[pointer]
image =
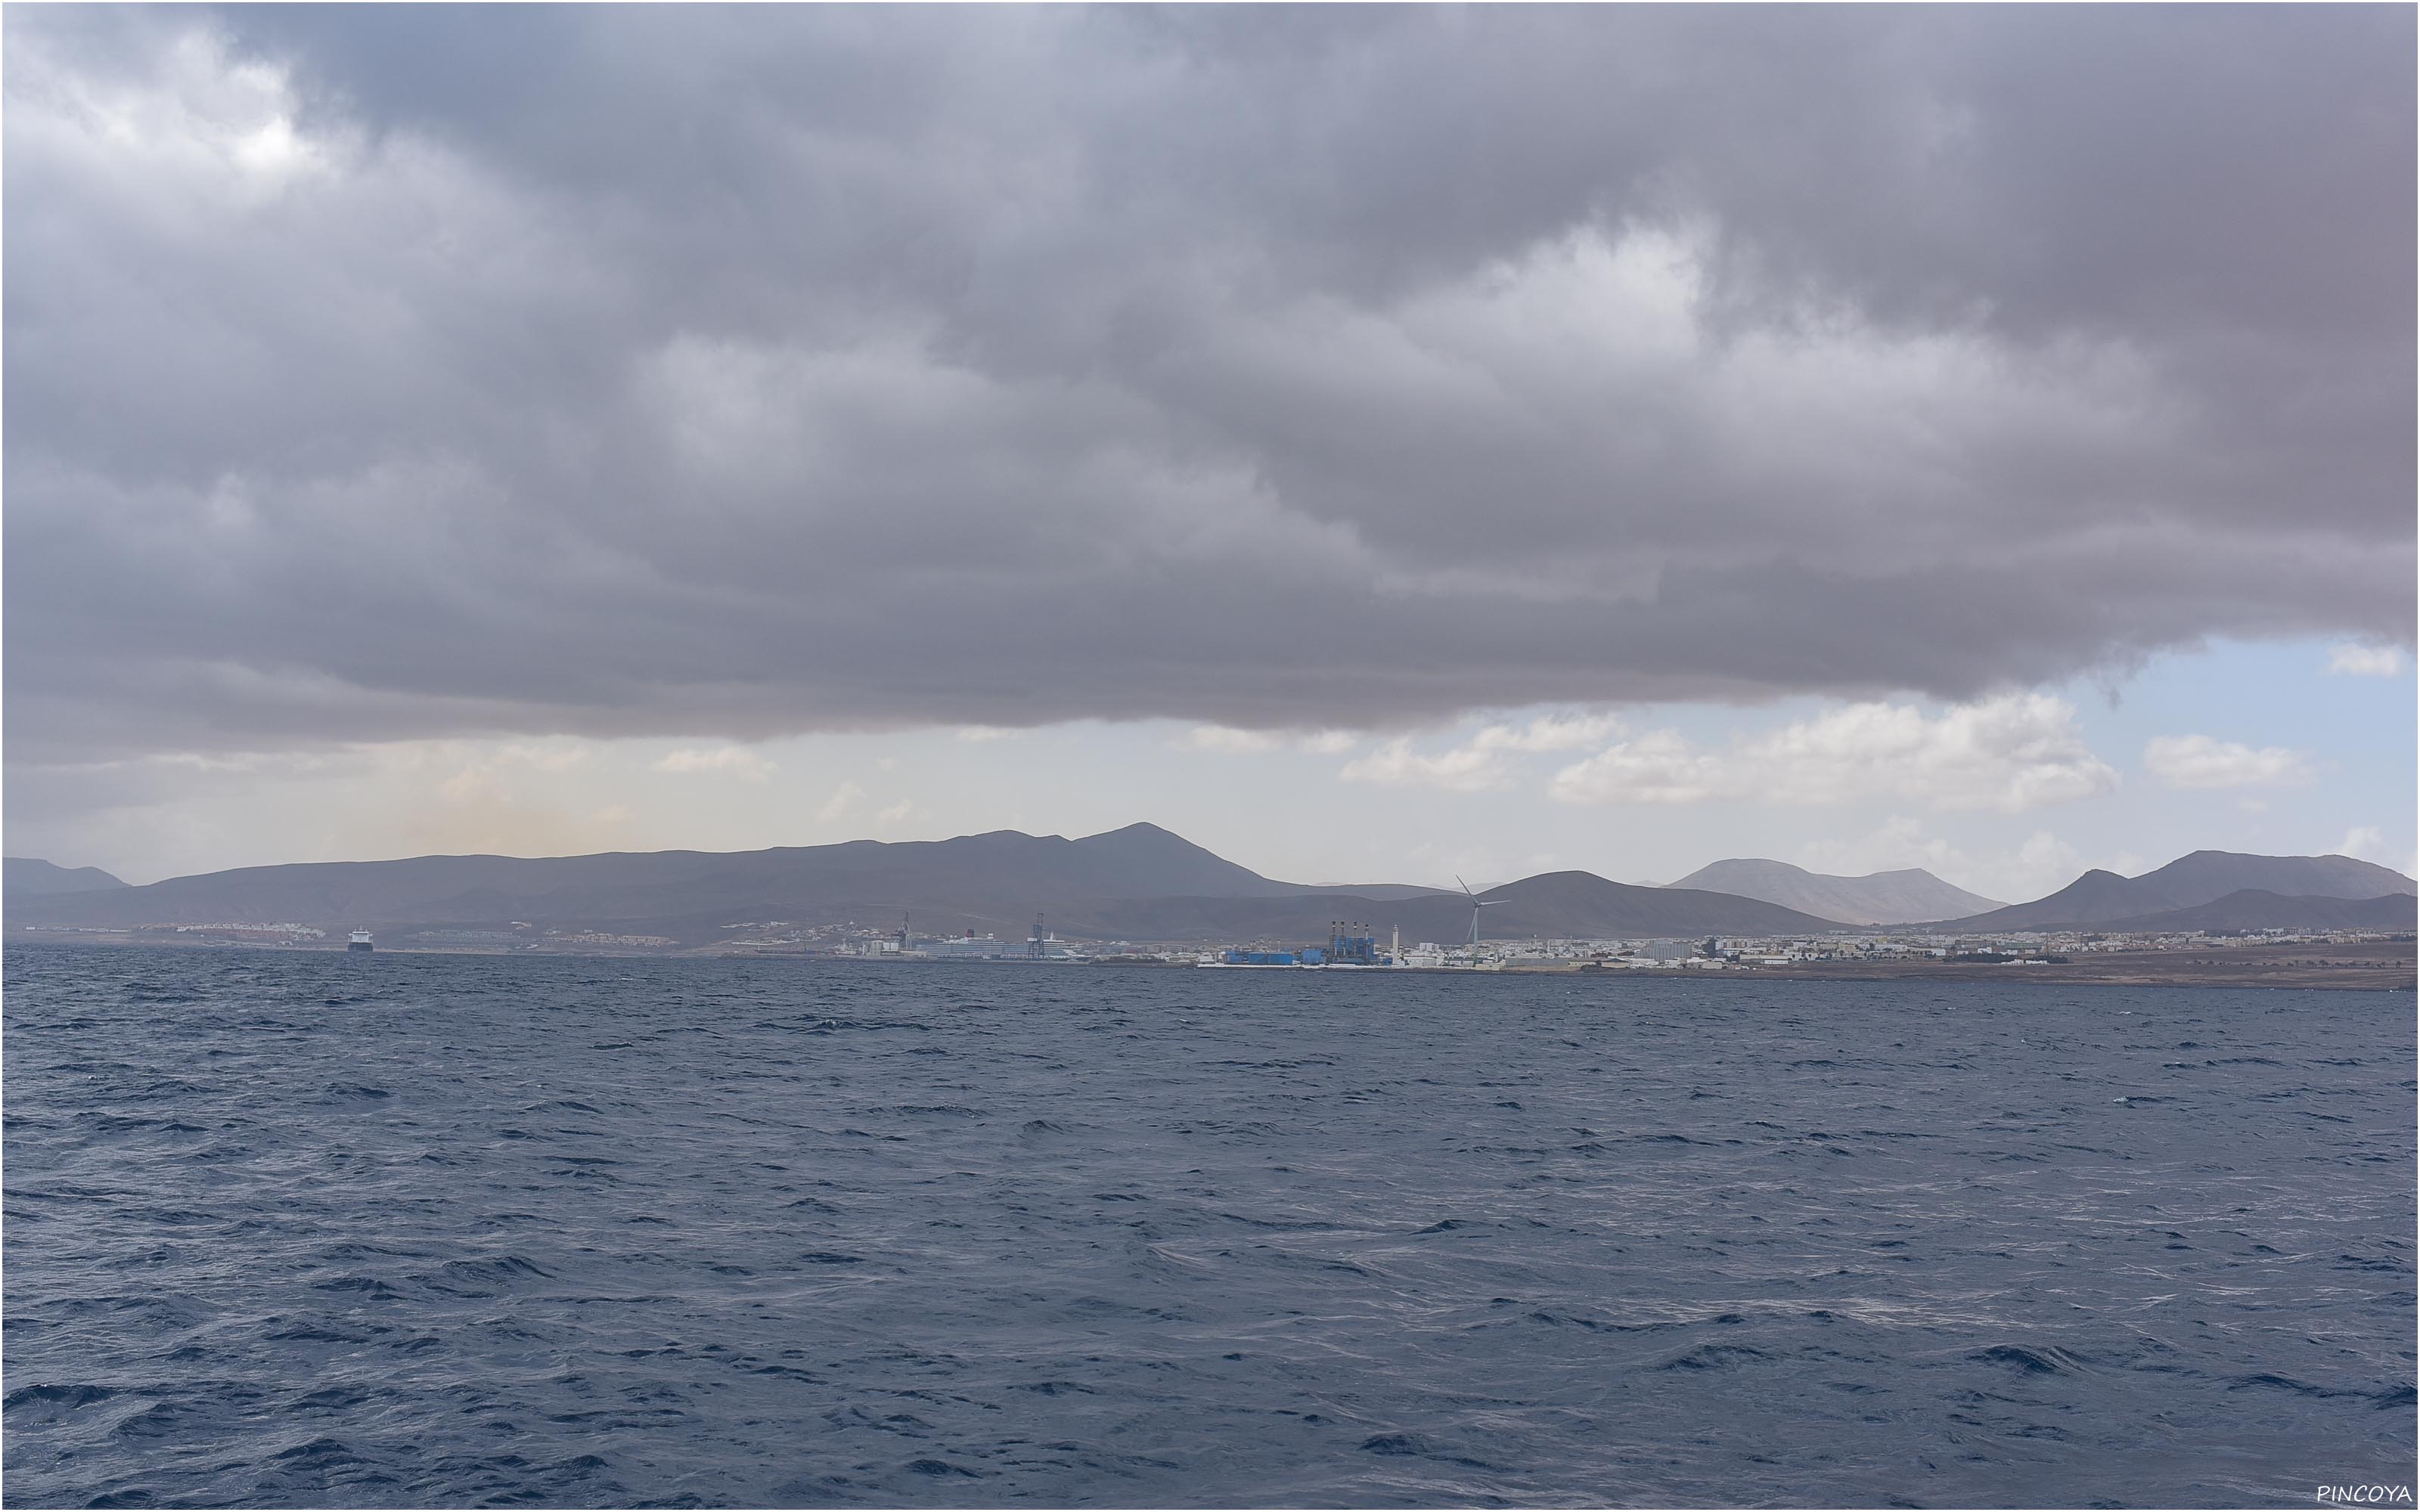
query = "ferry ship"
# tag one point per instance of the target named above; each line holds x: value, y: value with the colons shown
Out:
x: 360, y: 941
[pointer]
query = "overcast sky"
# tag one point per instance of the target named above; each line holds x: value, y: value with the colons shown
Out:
x: 1360, y: 438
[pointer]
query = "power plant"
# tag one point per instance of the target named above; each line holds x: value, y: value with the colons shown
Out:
x: 1355, y: 946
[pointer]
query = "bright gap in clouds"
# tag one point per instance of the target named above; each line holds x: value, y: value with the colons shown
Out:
x: 2349, y: 660
x: 2200, y: 761
x: 1995, y: 796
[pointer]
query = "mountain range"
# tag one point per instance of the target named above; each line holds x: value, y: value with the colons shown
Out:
x: 24, y: 877
x: 2256, y: 908
x: 2101, y: 899
x: 1144, y: 882
x: 1881, y: 898
x: 1139, y: 883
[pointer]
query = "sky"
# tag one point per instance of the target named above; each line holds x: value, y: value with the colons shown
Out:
x: 1376, y: 443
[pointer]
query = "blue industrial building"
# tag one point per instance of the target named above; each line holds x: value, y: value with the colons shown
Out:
x: 1346, y: 948
x: 1343, y: 948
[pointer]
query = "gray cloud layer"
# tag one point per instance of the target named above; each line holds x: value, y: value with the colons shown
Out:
x: 382, y: 373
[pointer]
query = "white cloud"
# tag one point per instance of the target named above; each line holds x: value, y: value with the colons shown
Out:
x: 1231, y: 741
x: 1659, y: 766
x: 2045, y: 863
x: 845, y: 798
x: 2054, y: 863
x: 2199, y: 762
x: 1552, y: 732
x: 2352, y: 659
x: 1481, y: 764
x: 737, y: 760
x: 897, y: 813
x: 976, y: 734
x: 2012, y: 753
x: 475, y: 783
x: 2366, y: 842
x: 2040, y: 865
x: 1439, y: 862
x: 1464, y: 769
x: 1899, y: 843
x: 2031, y: 870
x: 493, y: 804
x: 554, y: 756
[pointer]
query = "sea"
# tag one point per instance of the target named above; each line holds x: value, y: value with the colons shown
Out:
x: 296, y: 1228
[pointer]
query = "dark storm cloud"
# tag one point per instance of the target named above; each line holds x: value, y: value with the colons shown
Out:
x: 381, y: 373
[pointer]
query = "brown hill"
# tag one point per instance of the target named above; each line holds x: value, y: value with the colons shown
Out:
x: 2100, y: 898
x: 2252, y: 909
x: 1878, y: 898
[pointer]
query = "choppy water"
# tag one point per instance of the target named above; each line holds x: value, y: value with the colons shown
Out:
x: 316, y: 1230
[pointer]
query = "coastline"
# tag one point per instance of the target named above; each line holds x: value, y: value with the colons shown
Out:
x: 2367, y: 966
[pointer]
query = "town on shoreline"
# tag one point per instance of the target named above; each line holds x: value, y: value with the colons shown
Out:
x: 1142, y: 896
x: 2336, y: 960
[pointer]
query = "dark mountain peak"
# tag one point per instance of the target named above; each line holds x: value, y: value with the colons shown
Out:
x: 1138, y: 835
x: 1155, y: 862
x: 2197, y: 860
x: 1143, y: 839
x: 1552, y: 881
x: 1140, y: 827
x: 2099, y: 888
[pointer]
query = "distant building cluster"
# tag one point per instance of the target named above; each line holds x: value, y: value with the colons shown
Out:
x: 252, y: 934
x: 1725, y: 953
x: 1347, y: 947
x: 614, y: 941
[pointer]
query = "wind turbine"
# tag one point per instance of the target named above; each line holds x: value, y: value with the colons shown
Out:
x: 1477, y: 903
